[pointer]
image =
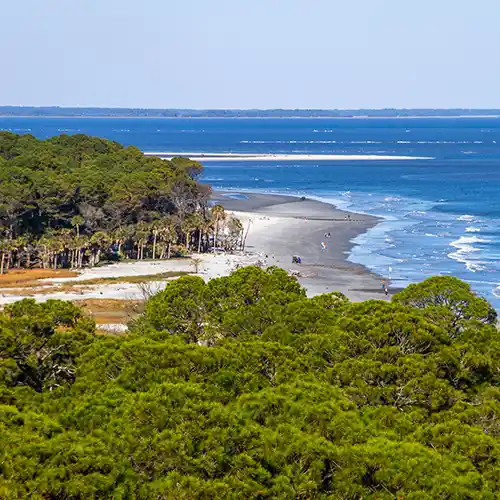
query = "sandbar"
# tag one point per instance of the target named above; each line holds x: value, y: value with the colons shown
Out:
x: 267, y: 157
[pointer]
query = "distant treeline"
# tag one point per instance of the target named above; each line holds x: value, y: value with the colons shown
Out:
x: 54, y: 111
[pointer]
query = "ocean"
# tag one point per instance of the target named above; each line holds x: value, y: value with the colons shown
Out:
x: 440, y: 216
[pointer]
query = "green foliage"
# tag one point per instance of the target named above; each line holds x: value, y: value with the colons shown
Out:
x: 71, y: 201
x: 244, y: 388
x: 39, y: 343
x: 448, y: 300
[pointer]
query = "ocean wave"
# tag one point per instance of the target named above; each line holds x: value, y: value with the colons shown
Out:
x: 466, y: 217
x: 417, y: 213
x: 392, y: 198
x: 465, y: 248
x: 466, y: 241
x: 364, y: 142
x: 496, y: 292
x: 287, y: 142
x: 472, y: 229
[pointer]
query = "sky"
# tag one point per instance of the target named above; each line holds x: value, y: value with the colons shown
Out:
x: 251, y: 53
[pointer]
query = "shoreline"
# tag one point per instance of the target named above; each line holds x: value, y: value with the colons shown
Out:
x: 360, y: 117
x: 278, y: 227
x: 282, y: 226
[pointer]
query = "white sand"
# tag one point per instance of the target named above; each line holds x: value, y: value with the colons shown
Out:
x: 279, y: 157
x: 271, y: 240
x: 211, y: 266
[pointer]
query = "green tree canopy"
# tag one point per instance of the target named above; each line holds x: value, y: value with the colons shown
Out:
x: 245, y: 388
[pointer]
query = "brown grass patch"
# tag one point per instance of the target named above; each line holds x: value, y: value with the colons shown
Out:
x: 30, y: 277
x: 105, y: 311
x: 30, y: 287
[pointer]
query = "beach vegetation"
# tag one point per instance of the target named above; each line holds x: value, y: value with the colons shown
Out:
x: 243, y: 387
x: 74, y: 201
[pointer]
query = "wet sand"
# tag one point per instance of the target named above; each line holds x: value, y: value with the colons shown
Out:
x: 298, y: 227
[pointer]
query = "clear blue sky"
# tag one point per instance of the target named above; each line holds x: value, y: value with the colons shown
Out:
x: 251, y: 53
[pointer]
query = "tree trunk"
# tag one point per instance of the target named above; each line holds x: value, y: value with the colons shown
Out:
x: 199, y: 241
x: 168, y: 250
x: 154, y: 245
x: 187, y: 240
x: 2, y: 263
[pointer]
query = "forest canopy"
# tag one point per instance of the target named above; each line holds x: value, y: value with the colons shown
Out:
x: 70, y: 201
x: 243, y: 387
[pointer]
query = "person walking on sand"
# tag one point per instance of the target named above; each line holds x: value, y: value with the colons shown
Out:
x: 386, y: 291
x: 323, y: 245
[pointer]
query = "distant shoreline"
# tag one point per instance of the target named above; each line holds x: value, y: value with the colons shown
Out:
x: 360, y: 117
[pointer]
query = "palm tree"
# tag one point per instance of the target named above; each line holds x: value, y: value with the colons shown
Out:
x: 4, y: 250
x: 208, y: 228
x: 120, y: 237
x: 76, y: 222
x: 188, y: 225
x: 81, y: 243
x: 200, y: 227
x: 142, y: 234
x: 218, y: 215
x: 155, y: 229
x: 56, y: 246
x: 165, y: 235
x: 99, y: 241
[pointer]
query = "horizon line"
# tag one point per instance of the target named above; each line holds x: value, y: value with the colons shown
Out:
x: 21, y: 106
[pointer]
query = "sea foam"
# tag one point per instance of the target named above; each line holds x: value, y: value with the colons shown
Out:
x: 465, y: 248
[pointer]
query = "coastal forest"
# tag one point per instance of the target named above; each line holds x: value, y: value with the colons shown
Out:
x: 72, y: 201
x: 243, y: 387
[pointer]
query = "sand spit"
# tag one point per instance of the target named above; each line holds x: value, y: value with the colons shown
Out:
x: 280, y: 157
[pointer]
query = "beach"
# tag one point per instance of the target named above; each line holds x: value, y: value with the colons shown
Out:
x: 277, y: 228
x: 282, y: 227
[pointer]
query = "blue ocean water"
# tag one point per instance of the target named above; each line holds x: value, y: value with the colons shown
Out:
x: 440, y: 216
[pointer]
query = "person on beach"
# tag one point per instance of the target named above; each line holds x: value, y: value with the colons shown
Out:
x: 383, y: 284
x: 323, y: 245
x: 386, y: 291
